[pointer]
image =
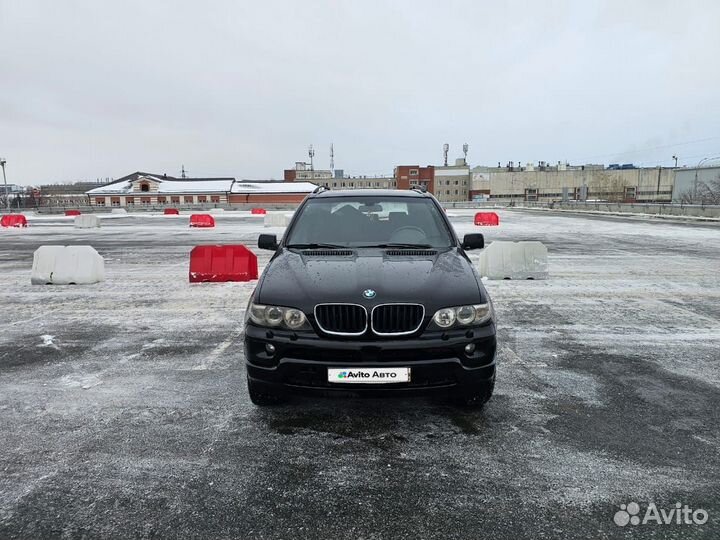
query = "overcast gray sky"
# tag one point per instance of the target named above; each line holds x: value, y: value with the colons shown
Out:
x: 97, y: 88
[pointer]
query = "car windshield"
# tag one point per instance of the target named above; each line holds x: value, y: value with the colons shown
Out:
x: 356, y: 221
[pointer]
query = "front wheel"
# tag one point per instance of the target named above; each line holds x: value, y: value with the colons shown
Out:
x: 476, y: 395
x: 261, y: 395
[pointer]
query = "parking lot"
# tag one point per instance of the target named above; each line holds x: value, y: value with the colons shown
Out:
x: 124, y: 412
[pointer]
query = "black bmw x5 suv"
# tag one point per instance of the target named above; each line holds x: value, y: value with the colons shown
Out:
x: 370, y: 291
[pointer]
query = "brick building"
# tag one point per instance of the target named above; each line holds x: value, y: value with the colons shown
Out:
x: 147, y: 189
x: 414, y: 175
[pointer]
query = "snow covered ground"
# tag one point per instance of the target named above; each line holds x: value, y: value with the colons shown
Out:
x: 123, y: 408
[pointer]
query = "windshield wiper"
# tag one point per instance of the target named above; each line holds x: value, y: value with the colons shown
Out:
x: 315, y: 246
x: 397, y: 245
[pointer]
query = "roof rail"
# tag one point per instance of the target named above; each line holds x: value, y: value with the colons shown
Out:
x: 419, y: 188
x: 320, y: 189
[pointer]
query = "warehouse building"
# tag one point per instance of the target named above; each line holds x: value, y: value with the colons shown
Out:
x: 550, y: 184
x: 242, y: 192
x: 694, y: 184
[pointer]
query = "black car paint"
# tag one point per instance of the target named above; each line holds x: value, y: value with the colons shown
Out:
x: 302, y: 279
x: 294, y: 279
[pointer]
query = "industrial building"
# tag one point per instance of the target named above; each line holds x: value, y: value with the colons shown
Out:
x: 305, y: 171
x: 336, y: 179
x: 512, y: 183
x: 563, y: 182
x: 452, y: 183
x: 696, y: 183
x: 65, y: 195
x: 539, y: 182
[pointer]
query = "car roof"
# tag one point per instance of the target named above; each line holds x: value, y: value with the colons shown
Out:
x: 369, y: 193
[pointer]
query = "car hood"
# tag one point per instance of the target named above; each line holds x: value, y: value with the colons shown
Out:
x: 302, y: 281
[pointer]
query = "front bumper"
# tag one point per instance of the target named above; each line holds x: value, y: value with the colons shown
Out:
x: 437, y: 360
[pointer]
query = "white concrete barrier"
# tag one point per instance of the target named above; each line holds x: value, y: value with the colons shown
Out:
x: 514, y: 260
x: 87, y: 221
x: 217, y: 210
x: 67, y: 265
x: 277, y: 220
x: 118, y: 211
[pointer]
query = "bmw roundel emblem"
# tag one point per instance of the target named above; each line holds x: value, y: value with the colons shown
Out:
x: 369, y: 293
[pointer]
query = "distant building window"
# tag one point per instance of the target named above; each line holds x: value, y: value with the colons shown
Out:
x: 175, y: 200
x: 114, y: 201
x: 162, y: 200
x: 145, y: 201
x: 202, y: 198
x: 215, y: 198
x: 130, y: 201
x: 414, y: 172
x: 100, y: 201
x: 144, y: 187
x: 189, y: 199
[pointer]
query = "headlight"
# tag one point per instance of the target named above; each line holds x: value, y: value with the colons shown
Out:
x: 275, y: 316
x: 463, y: 315
x: 294, y: 318
x: 445, y: 318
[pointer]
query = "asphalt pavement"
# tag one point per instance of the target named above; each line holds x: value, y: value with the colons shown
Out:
x: 124, y: 412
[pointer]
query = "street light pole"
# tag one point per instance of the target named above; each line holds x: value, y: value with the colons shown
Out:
x: 7, y: 196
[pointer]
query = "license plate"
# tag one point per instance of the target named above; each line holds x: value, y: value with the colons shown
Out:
x: 369, y: 375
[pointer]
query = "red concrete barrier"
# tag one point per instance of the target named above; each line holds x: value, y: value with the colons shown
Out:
x: 72, y: 212
x: 258, y: 211
x: 13, y: 220
x: 202, y: 220
x: 487, y: 218
x: 222, y: 263
x: 171, y: 212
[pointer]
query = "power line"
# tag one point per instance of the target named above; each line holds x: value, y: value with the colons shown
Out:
x: 649, y: 149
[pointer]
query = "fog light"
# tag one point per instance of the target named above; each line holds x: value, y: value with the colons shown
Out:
x: 270, y: 349
x: 469, y: 348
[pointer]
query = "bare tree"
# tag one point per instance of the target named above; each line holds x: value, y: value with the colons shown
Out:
x: 686, y: 197
x: 608, y: 186
x: 709, y: 192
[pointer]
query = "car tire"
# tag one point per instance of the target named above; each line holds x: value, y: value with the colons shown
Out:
x: 477, y: 395
x: 261, y: 396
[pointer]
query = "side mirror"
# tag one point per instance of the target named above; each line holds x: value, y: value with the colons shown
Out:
x: 269, y: 241
x: 473, y: 241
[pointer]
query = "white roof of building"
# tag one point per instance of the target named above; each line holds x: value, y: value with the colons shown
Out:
x: 168, y: 186
x: 273, y: 187
x: 441, y: 171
